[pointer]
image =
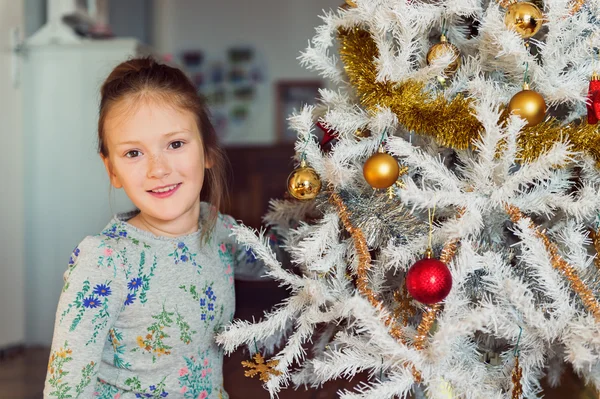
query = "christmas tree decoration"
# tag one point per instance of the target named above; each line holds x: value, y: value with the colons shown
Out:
x: 381, y: 170
x: 593, y: 100
x: 525, y: 18
x: 517, y: 374
x: 429, y: 280
x: 595, y: 236
x: 259, y: 367
x: 362, y: 133
x: 380, y: 221
x: 452, y: 123
x: 576, y: 6
x: 529, y: 105
x: 440, y: 50
x: 364, y: 259
x: 351, y: 3
x: 363, y: 305
x: 329, y: 134
x: 304, y: 183
x: 585, y: 293
x: 404, y: 309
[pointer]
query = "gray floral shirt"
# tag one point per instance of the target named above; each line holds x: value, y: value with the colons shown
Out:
x: 138, y: 313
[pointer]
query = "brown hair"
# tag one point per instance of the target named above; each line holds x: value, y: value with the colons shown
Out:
x: 146, y: 78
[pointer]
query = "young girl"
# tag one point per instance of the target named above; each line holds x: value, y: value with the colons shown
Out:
x: 143, y: 299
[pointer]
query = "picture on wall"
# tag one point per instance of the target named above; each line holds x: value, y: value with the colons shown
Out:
x: 233, y: 82
x: 291, y: 96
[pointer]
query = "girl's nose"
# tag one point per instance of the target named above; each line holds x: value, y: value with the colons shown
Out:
x: 158, y: 167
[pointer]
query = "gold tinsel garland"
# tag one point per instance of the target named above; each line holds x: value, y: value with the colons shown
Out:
x: 559, y: 263
x: 364, y: 264
x: 517, y: 374
x: 425, y: 326
x: 450, y: 123
x: 405, y: 310
x: 417, y: 110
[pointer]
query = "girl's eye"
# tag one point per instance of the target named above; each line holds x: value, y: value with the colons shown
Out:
x: 132, y: 154
x: 176, y: 144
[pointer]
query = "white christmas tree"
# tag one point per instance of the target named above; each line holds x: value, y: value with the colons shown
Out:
x: 472, y: 270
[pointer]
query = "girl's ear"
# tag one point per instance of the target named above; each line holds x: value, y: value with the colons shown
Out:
x: 114, y: 180
x: 208, y: 161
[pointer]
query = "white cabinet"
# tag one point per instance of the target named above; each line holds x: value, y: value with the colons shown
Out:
x: 66, y: 187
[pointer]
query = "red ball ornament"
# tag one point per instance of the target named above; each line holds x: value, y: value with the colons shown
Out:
x: 429, y: 281
x: 593, y: 100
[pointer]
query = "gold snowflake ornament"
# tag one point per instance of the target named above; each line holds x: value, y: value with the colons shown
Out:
x: 266, y: 370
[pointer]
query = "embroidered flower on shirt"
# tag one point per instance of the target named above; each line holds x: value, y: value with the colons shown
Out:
x: 134, y: 284
x: 154, y: 341
x: 130, y: 299
x: 104, y: 390
x: 86, y: 301
x: 57, y: 371
x: 72, y: 266
x: 185, y: 331
x: 91, y: 302
x: 139, y: 286
x: 117, y: 231
x: 156, y: 390
x: 195, y: 379
x: 226, y: 255
x: 74, y: 256
x: 115, y: 337
x: 182, y: 254
x: 108, y: 257
x: 102, y: 290
x: 206, y: 299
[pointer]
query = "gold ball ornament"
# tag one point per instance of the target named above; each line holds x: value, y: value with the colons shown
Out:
x: 351, y: 3
x: 304, y: 183
x: 525, y: 18
x: 439, y: 50
x: 381, y: 170
x: 529, y: 105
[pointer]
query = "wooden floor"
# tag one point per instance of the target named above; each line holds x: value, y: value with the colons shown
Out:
x: 22, y: 376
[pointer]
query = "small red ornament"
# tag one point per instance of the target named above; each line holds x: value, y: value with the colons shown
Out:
x: 593, y: 100
x: 329, y: 135
x: 429, y: 281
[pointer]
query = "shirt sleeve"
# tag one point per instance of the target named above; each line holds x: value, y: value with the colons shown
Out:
x: 247, y: 267
x: 89, y: 303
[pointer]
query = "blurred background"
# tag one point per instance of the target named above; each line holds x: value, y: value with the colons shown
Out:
x: 54, y: 55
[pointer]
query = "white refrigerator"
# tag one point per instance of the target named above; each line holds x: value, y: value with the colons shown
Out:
x: 66, y: 186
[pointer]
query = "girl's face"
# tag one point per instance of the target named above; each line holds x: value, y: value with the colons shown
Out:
x: 152, y: 148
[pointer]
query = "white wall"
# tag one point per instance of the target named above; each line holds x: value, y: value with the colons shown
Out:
x: 35, y: 15
x: 279, y: 29
x: 12, y: 266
